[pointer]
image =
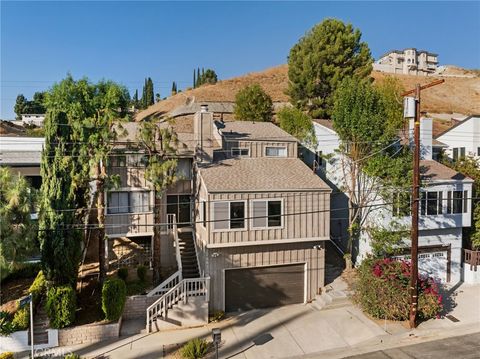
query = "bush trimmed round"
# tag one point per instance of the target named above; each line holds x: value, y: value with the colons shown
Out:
x: 61, y: 306
x: 114, y: 294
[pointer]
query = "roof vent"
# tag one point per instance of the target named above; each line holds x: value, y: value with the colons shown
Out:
x: 204, y: 108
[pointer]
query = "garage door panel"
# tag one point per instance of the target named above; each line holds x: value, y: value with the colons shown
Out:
x: 264, y: 287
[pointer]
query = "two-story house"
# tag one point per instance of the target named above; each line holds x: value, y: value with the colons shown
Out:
x: 445, y: 206
x: 262, y: 216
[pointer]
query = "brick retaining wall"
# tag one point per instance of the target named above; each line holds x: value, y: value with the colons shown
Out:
x: 89, y: 333
x: 136, y: 306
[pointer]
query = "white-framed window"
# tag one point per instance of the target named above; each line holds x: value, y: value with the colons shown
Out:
x: 457, y: 202
x: 184, y: 169
x: 478, y: 151
x: 240, y: 152
x: 431, y: 203
x: 267, y: 213
x: 458, y: 153
x: 229, y: 215
x: 128, y: 202
x: 271, y: 151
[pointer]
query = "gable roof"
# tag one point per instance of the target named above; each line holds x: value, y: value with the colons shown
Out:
x: 434, y: 171
x: 260, y: 174
x: 456, y: 125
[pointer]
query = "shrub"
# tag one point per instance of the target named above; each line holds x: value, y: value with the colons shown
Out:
x: 7, y: 355
x: 28, y: 270
x: 217, y: 316
x: 114, y: 293
x: 383, y: 293
x: 21, y: 319
x: 6, y: 326
x: 123, y: 273
x: 142, y: 273
x: 135, y: 287
x: 72, y: 356
x: 61, y: 305
x: 38, y: 287
x: 195, y: 348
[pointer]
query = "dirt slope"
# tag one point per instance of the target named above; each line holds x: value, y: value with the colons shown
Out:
x: 458, y: 95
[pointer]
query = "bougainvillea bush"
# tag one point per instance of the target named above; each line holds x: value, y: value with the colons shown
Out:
x: 382, y: 290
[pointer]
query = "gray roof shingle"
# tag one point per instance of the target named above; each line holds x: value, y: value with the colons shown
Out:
x: 256, y: 131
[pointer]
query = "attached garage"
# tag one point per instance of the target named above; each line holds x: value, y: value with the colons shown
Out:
x: 263, y: 287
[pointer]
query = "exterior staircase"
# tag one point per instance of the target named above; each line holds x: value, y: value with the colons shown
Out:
x: 40, y: 326
x: 334, y: 295
x: 188, y: 254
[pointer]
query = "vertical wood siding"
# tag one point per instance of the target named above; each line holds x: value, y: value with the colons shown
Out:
x: 311, y: 221
x: 257, y: 148
x: 263, y: 255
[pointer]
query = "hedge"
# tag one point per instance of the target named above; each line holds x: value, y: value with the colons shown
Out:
x: 38, y: 287
x: 383, y: 290
x: 61, y: 306
x: 114, y: 294
x: 21, y: 319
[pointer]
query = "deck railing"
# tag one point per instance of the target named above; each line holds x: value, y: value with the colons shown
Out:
x: 472, y: 258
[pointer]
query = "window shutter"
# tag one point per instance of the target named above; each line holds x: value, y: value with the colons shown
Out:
x: 259, y: 209
x: 220, y: 215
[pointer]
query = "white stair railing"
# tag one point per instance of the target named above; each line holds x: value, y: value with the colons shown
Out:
x: 176, y: 277
x: 192, y: 287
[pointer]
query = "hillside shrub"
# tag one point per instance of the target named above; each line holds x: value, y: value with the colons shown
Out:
x: 383, y: 293
x: 252, y: 103
x: 38, y: 287
x: 6, y: 326
x: 195, y: 348
x: 114, y: 294
x: 21, y: 319
x: 123, y: 273
x: 61, y: 306
x: 7, y: 355
x: 142, y: 273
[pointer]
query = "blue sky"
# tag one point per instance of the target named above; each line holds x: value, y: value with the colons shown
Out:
x: 127, y: 41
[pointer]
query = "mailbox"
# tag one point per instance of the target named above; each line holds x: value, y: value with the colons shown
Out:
x: 216, y: 336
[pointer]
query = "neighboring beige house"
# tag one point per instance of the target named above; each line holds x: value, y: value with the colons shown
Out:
x: 408, y: 62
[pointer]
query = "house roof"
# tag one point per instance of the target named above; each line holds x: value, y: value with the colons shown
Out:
x: 456, y: 125
x: 7, y: 128
x: 435, y: 171
x: 260, y: 174
x: 10, y: 158
x: 326, y: 123
x: 256, y: 131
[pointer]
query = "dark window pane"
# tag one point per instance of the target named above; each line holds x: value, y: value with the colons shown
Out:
x: 465, y: 201
x: 237, y: 215
x: 440, y: 202
x: 455, y: 154
x: 449, y: 202
x: 432, y: 203
x: 423, y: 203
x: 274, y: 213
x: 457, y: 201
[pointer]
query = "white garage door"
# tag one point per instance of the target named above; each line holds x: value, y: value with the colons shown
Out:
x: 434, y: 264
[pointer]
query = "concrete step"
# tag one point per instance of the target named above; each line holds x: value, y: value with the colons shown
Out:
x: 331, y: 300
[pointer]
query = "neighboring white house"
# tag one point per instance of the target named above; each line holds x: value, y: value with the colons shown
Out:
x: 408, y: 61
x: 462, y: 139
x: 445, y: 206
x: 33, y: 119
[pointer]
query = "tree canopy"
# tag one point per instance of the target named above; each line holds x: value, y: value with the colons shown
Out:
x: 317, y: 64
x: 18, y: 230
x: 298, y: 124
x: 207, y: 76
x: 253, y: 104
x: 34, y: 106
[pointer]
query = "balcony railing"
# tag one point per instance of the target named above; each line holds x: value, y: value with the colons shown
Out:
x: 471, y: 258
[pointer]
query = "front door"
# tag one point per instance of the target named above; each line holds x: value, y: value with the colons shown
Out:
x: 180, y: 205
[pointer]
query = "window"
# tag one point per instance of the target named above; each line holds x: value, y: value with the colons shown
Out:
x: 401, y: 204
x: 458, y: 153
x: 431, y: 203
x: 478, y: 151
x: 266, y: 213
x: 240, y: 152
x: 228, y: 215
x: 204, y: 214
x: 118, y: 160
x: 184, y: 169
x: 276, y: 151
x: 318, y: 159
x: 457, y: 202
x: 128, y: 202
x: 136, y: 160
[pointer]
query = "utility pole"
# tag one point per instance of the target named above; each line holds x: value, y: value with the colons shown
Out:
x: 416, y: 201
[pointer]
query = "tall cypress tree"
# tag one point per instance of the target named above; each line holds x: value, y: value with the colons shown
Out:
x: 198, y: 77
x: 194, y: 79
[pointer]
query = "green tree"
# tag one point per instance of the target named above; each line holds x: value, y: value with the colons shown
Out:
x: 207, y: 77
x: 174, y: 88
x: 365, y: 121
x: 20, y: 106
x: 253, y: 104
x: 159, y: 143
x: 317, y: 64
x: 18, y: 230
x: 194, y: 79
x: 298, y: 124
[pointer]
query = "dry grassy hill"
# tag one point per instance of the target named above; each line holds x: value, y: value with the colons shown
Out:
x: 456, y: 95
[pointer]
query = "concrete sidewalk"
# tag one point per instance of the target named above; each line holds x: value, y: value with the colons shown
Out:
x: 300, y: 331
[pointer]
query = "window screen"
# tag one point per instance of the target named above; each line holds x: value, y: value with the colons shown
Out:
x: 276, y: 151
